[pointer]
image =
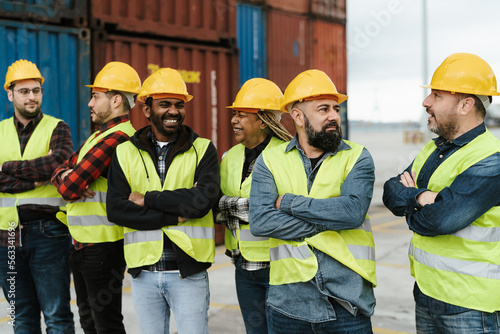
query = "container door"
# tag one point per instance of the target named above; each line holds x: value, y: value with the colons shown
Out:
x: 63, y: 57
x: 251, y: 28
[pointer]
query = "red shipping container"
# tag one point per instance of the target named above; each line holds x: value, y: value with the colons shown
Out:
x: 287, y: 46
x: 295, y: 6
x: 206, y: 20
x: 330, y: 9
x: 329, y: 51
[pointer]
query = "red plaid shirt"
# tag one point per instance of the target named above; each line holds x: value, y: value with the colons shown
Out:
x: 94, y: 164
x: 21, y: 175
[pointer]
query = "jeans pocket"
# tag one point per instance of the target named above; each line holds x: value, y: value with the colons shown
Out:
x: 53, y: 229
x: 198, y: 276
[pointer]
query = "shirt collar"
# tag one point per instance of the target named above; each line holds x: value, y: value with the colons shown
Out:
x: 151, y: 137
x: 114, y: 121
x: 33, y: 122
x: 465, y: 138
x: 294, y: 143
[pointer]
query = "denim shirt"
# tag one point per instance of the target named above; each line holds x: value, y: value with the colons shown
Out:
x: 471, y: 194
x: 300, y: 217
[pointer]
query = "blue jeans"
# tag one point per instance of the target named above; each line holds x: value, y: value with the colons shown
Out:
x: 98, y: 276
x: 252, y: 287
x: 346, y: 323
x: 155, y: 293
x: 39, y: 279
x: 468, y: 322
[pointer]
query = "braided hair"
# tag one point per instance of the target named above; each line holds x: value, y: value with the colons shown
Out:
x: 269, y: 118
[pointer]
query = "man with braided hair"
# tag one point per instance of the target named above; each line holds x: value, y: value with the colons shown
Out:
x: 256, y: 126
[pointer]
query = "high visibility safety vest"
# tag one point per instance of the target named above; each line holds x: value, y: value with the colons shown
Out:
x: 87, y: 218
x: 195, y: 236
x: 252, y: 248
x: 293, y: 261
x: 462, y: 268
x: 38, y: 146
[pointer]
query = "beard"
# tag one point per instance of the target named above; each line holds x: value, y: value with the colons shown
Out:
x: 327, y: 141
x: 447, y: 129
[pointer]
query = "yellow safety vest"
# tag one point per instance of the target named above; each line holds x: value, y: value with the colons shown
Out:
x: 38, y: 146
x: 462, y: 268
x: 252, y: 248
x: 195, y: 236
x: 293, y: 261
x: 87, y: 219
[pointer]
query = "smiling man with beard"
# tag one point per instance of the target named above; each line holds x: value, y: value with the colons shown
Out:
x: 311, y: 197
x: 450, y: 196
x: 162, y: 186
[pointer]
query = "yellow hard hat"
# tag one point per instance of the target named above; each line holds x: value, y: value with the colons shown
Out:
x: 258, y: 94
x: 164, y: 83
x: 310, y: 85
x: 118, y: 76
x: 22, y: 70
x: 465, y: 73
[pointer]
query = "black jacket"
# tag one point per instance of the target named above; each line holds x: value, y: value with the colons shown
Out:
x: 162, y: 208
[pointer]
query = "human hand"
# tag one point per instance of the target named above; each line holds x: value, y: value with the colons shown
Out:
x: 137, y: 198
x: 65, y: 174
x: 408, y: 180
x: 426, y: 197
x: 182, y: 219
x: 278, y: 202
x: 40, y: 183
x: 88, y: 193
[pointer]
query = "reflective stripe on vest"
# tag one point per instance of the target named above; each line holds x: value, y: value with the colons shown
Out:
x: 354, y: 247
x: 286, y: 251
x: 38, y: 146
x: 87, y: 218
x: 478, y: 269
x: 462, y: 260
x: 252, y: 248
x: 53, y: 201
x: 8, y: 201
x: 195, y: 236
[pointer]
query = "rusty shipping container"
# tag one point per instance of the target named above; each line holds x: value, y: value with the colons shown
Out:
x: 210, y: 73
x: 203, y: 20
x: 287, y: 51
x: 329, y: 9
x: 287, y: 46
x: 294, y: 6
x: 329, y: 51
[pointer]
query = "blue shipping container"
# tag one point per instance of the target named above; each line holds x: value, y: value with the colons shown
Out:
x: 63, y: 57
x: 251, y: 41
x: 73, y: 12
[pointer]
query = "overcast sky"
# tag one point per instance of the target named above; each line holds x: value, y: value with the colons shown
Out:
x: 385, y: 52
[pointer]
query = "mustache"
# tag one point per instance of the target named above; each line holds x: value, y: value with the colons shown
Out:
x: 332, y: 124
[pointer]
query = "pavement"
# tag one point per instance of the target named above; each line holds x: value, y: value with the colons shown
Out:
x: 394, y: 313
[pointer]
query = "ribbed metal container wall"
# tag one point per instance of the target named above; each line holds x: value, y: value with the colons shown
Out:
x: 63, y: 57
x: 329, y: 51
x: 331, y: 9
x: 251, y: 41
x: 288, y: 49
x: 66, y: 12
x: 204, y: 20
x: 294, y: 6
x: 210, y: 74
